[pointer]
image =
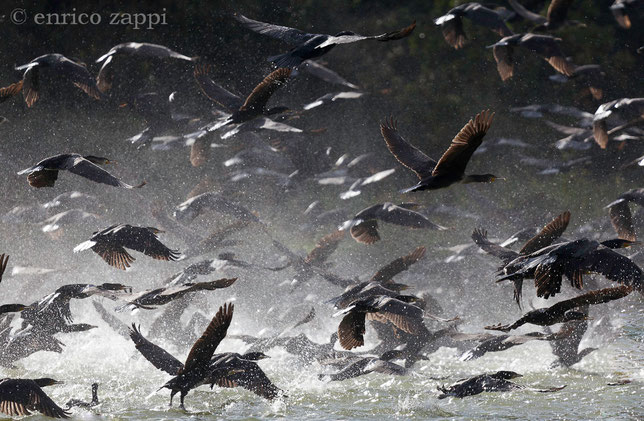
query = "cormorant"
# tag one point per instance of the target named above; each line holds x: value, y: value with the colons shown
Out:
x: 495, y: 382
x: 76, y: 73
x: 136, y: 49
x: 572, y: 259
x: 564, y: 311
x: 548, y: 234
x: 309, y: 46
x: 111, y: 243
x: 82, y: 404
x: 544, y: 45
x: 203, y: 366
x: 20, y: 396
x: 368, y: 365
x: 45, y: 173
x: 451, y: 23
x: 450, y: 168
x: 364, y: 225
x: 630, y: 109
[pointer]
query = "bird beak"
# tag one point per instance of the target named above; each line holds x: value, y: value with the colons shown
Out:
x: 500, y: 178
x: 58, y: 382
x: 123, y: 105
x: 632, y: 243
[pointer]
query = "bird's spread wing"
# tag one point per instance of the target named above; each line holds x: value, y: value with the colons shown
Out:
x: 4, y: 259
x: 204, y: 348
x: 262, y: 93
x: 282, y: 33
x: 452, y: 28
x: 615, y: 267
x: 548, y: 48
x: 620, y: 217
x: 406, y: 153
x: 504, y: 61
x: 31, y: 85
x: 114, y: 255
x: 388, y: 36
x: 594, y: 297
x: 404, y: 316
x: 213, y: 91
x: 252, y: 378
x: 548, y: 234
x: 325, y: 248
x: 405, y: 217
x: 19, y: 396
x: 158, y: 356
x: 455, y: 159
x: 11, y: 90
x: 84, y: 168
x: 146, y: 242
x: 527, y: 14
x: 351, y: 330
x: 365, y: 232
x: 399, y: 265
x: 479, y: 236
x: 558, y: 10
x: 81, y: 78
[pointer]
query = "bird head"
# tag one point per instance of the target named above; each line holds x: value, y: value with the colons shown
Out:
x: 99, y: 160
x: 618, y: 243
x: 46, y: 381
x: 94, y: 387
x: 507, y: 375
x: 254, y: 356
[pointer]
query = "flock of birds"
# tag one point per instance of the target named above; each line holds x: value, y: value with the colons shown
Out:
x: 400, y: 320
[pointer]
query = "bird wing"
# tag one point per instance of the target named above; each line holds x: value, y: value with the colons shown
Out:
x: 114, y: 255
x: 351, y: 330
x: 479, y: 236
x: 548, y: 234
x: 158, y: 356
x: 282, y: 33
x: 404, y: 316
x: 84, y: 168
x: 527, y: 14
x: 452, y: 28
x: 81, y: 78
x: 144, y: 241
x: 365, y: 232
x: 324, y: 73
x: 387, y: 36
x: 455, y: 159
x: 558, y: 10
x: 405, y: 217
x: 548, y: 48
x: 251, y: 378
x: 31, y: 85
x: 615, y: 267
x: 620, y: 217
x: 401, y: 264
x: 386, y: 367
x: 19, y: 396
x: 11, y: 90
x: 593, y: 297
x: 324, y: 248
x: 504, y: 61
x: 407, y: 154
x: 266, y: 88
x: 487, y: 17
x: 204, y: 348
x: 213, y: 91
x: 4, y: 259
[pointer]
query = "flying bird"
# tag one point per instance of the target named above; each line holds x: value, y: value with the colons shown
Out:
x: 18, y: 397
x: 111, y: 243
x: 364, y: 225
x: 620, y: 213
x: 451, y: 23
x: 76, y: 73
x: 310, y: 46
x: 544, y: 45
x: 555, y: 18
x: 45, y: 173
x: 450, y: 168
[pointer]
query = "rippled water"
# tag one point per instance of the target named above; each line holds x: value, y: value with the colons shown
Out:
x: 128, y: 383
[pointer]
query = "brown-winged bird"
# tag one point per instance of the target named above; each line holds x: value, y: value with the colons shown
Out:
x: 111, y: 243
x: 76, y: 73
x: 544, y: 45
x: 45, y: 173
x: 450, y: 169
x: 555, y: 18
x: 620, y: 213
x: 18, y: 397
x: 451, y: 23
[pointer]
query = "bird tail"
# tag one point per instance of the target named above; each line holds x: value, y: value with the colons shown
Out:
x: 286, y: 60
